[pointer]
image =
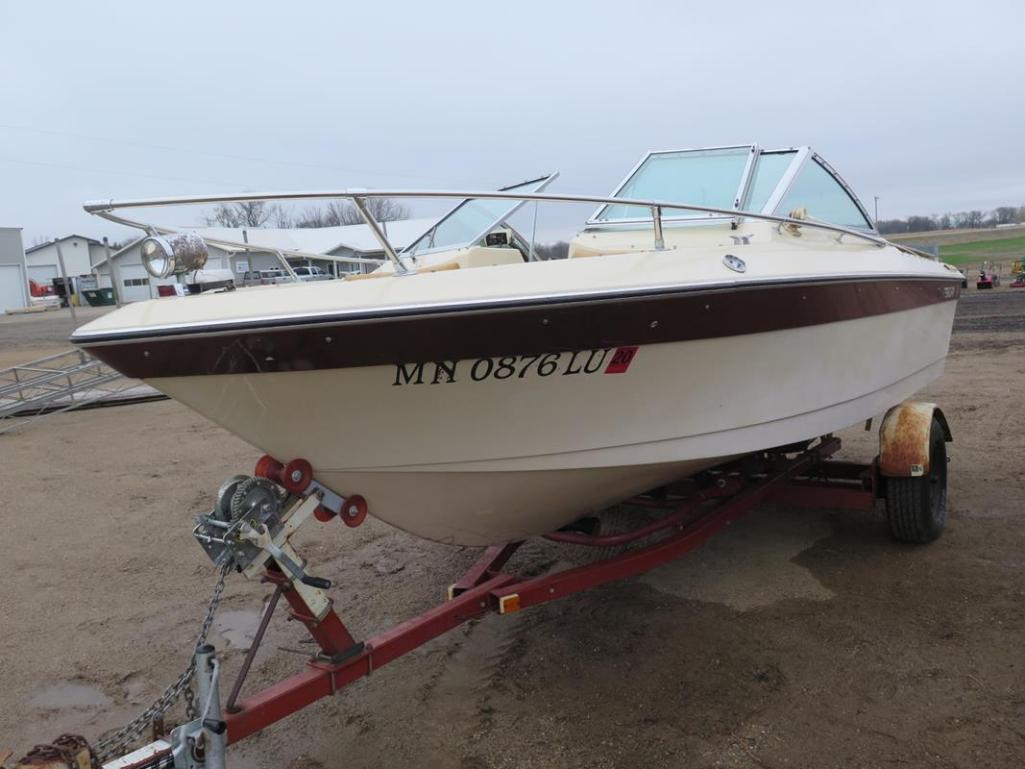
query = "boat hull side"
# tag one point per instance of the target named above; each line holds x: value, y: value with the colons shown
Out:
x: 478, y: 460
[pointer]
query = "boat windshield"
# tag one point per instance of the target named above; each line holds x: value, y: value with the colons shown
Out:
x: 741, y: 178
x: 471, y: 220
x: 707, y: 177
x: 766, y: 177
x: 817, y: 190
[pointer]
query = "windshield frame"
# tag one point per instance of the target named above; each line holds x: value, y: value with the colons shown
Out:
x: 540, y: 181
x: 804, y: 156
x: 680, y: 217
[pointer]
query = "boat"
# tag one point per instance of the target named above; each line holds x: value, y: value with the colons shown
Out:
x: 721, y: 301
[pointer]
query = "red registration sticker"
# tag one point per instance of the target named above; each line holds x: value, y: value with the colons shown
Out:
x: 621, y: 360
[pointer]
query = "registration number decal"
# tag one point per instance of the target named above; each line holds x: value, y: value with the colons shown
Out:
x: 606, y: 360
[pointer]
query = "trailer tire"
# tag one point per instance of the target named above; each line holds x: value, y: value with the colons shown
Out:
x: 916, y: 508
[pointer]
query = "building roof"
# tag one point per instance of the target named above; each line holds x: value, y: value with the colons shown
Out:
x: 38, y: 246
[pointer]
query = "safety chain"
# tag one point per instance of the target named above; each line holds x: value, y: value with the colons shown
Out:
x: 66, y: 749
x: 116, y: 744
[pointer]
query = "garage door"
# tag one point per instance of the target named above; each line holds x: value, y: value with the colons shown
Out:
x: 135, y: 282
x: 12, y: 287
x: 43, y: 274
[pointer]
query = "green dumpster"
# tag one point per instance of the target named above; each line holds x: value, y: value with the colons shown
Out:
x: 99, y: 297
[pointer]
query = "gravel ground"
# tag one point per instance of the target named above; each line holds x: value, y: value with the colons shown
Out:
x: 797, y: 638
x: 28, y: 336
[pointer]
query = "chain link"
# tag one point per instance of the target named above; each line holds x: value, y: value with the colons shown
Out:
x: 116, y: 744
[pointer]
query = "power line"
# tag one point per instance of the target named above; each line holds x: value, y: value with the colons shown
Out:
x: 168, y: 148
x: 115, y: 173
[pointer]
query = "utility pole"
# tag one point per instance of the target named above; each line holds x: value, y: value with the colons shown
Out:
x: 114, y: 285
x: 877, y: 209
x: 67, y: 284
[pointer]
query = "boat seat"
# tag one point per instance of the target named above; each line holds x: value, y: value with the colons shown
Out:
x: 467, y: 258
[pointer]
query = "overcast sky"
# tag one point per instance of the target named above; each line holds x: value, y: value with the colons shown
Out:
x: 920, y: 103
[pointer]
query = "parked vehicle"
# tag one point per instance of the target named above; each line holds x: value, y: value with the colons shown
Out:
x: 38, y: 289
x: 312, y: 273
x: 989, y: 276
x: 1019, y: 281
x: 266, y: 277
x: 42, y: 296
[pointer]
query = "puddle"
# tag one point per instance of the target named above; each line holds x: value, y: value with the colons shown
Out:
x: 134, y: 687
x: 236, y: 628
x: 750, y: 564
x: 66, y: 695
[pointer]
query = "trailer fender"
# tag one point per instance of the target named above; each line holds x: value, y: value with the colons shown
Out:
x: 904, y: 439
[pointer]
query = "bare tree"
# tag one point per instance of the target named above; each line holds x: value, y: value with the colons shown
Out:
x: 311, y: 218
x: 283, y: 218
x: 339, y: 213
x: 250, y: 213
x: 1006, y: 214
x: 336, y: 213
x: 892, y: 226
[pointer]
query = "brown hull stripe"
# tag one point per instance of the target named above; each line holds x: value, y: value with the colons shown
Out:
x: 532, y: 329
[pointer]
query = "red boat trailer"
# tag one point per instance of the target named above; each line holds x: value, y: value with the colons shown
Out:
x: 806, y: 479
x: 694, y: 511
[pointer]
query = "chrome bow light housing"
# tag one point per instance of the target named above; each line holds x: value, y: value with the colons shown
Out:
x: 173, y: 254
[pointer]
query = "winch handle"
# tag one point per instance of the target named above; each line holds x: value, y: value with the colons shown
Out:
x: 323, y: 584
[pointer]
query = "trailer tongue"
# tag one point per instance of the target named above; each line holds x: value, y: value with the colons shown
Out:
x: 251, y: 525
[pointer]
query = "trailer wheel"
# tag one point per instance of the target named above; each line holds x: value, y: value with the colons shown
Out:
x: 917, y: 507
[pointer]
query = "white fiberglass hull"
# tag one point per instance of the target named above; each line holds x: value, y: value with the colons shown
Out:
x: 458, y: 456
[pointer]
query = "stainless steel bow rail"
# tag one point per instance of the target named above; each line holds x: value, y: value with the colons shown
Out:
x: 359, y: 197
x: 62, y: 382
x: 253, y: 519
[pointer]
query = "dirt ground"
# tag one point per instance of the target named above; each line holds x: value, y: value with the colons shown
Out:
x: 797, y: 638
x: 28, y: 336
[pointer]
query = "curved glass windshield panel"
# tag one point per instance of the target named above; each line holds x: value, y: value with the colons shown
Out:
x: 702, y: 177
x: 818, y: 191
x: 767, y: 174
x: 471, y: 220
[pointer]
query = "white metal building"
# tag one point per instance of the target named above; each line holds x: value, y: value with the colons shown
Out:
x: 13, y: 275
x: 80, y: 254
x: 135, y: 284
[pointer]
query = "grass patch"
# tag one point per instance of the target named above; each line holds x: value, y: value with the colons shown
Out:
x: 1007, y: 249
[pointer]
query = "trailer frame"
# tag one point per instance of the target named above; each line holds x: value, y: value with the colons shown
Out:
x: 807, y: 478
x: 694, y: 510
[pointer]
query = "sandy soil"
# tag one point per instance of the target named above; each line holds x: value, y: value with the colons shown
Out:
x: 796, y: 639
